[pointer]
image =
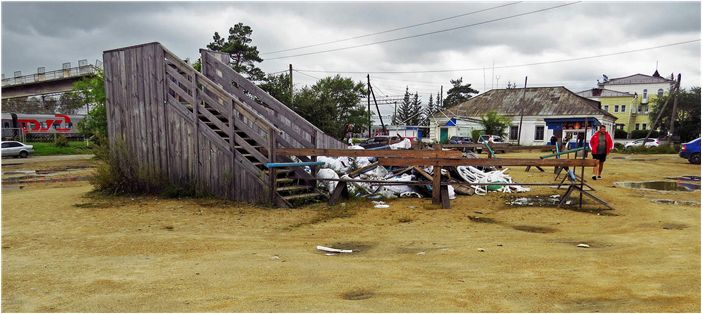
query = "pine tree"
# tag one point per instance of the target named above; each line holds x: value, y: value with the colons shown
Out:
x: 439, y: 104
x: 404, y: 111
x: 458, y: 93
x: 416, y: 114
x: 429, y: 111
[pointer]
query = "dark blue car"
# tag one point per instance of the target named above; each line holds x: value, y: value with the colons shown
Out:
x: 691, y: 151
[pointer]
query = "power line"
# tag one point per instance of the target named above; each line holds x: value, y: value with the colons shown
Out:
x: 391, y: 30
x: 511, y: 66
x: 314, y: 77
x: 428, y: 33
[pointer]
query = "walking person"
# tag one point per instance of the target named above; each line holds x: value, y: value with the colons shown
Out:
x: 601, y: 144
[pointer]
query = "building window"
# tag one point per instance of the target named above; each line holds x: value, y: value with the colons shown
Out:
x: 637, y: 127
x: 660, y: 92
x: 620, y: 126
x: 539, y: 135
x: 513, y: 132
x: 645, y: 93
x: 606, y: 108
x: 643, y: 126
x: 623, y: 108
x: 616, y: 108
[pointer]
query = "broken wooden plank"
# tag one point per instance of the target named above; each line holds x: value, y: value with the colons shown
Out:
x: 369, y: 153
x: 405, y: 162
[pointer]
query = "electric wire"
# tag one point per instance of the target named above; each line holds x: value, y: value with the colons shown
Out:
x: 391, y: 30
x: 427, y: 33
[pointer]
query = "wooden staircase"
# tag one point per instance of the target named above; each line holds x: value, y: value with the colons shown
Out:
x: 235, y: 113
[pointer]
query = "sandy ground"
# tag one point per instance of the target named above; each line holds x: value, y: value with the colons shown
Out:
x: 64, y: 251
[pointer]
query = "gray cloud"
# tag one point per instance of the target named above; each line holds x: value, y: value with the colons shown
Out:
x: 48, y: 34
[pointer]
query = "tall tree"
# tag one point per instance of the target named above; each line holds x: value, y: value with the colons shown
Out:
x: 404, y: 111
x: 416, y: 114
x: 428, y: 111
x: 278, y: 86
x: 92, y: 92
x: 687, y: 119
x: 244, y: 56
x: 332, y: 104
x: 458, y: 93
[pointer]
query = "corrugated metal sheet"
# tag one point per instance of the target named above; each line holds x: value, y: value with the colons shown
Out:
x: 637, y: 79
x: 538, y: 101
x: 601, y: 92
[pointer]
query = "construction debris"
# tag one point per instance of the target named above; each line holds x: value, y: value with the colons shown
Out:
x: 332, y: 250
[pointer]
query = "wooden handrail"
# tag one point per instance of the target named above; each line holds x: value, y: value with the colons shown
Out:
x: 204, y: 80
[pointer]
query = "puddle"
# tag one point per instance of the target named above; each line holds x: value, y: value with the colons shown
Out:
x: 660, y: 185
x: 685, y: 178
x: 673, y: 226
x: 535, y: 229
x: 675, y: 202
x: 357, y: 294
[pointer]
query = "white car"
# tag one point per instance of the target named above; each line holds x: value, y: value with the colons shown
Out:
x: 16, y: 149
x: 651, y: 142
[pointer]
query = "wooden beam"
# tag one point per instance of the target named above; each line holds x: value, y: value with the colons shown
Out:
x: 405, y: 162
x: 369, y: 153
x: 365, y: 169
x: 436, y: 185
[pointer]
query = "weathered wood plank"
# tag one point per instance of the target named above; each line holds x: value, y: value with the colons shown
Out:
x: 405, y: 162
x: 369, y: 153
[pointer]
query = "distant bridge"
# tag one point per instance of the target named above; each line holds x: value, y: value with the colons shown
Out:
x: 43, y: 83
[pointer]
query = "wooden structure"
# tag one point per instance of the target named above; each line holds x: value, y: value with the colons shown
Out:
x: 213, y: 130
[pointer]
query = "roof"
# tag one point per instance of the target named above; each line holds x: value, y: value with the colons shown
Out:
x: 603, y: 92
x: 638, y: 79
x: 538, y: 101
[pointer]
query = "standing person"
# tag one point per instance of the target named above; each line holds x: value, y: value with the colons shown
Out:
x: 601, y: 144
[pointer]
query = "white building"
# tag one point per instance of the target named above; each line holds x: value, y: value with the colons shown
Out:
x: 544, y: 111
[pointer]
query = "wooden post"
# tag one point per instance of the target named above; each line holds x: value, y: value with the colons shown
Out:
x: 196, y: 133
x: 436, y: 186
x: 272, y: 172
x: 291, y: 85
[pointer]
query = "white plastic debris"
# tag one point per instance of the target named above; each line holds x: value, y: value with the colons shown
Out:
x: 471, y: 174
x: 332, y: 250
x: 481, y: 250
x: 328, y: 174
x: 404, y: 144
x: 555, y: 196
x: 451, y: 193
x: 584, y: 245
x: 410, y: 195
x: 380, y: 204
x: 422, y: 253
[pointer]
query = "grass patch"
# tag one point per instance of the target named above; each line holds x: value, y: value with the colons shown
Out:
x: 49, y: 149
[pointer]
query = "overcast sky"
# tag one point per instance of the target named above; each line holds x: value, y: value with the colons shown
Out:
x: 48, y: 34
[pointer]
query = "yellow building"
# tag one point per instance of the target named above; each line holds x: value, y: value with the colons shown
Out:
x: 630, y: 98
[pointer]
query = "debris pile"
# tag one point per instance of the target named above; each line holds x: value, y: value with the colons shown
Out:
x: 375, y: 181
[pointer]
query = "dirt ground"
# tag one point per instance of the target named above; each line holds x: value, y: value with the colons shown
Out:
x: 65, y: 251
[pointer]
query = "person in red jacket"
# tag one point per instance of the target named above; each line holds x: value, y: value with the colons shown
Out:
x: 600, y: 144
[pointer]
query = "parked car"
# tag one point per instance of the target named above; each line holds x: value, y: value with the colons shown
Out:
x: 691, y: 151
x: 460, y: 140
x: 486, y: 138
x: 651, y: 142
x: 16, y: 149
x: 382, y: 140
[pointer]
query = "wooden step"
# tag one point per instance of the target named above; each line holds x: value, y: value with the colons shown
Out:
x: 301, y: 196
x: 292, y: 188
x: 284, y: 180
x: 242, y: 147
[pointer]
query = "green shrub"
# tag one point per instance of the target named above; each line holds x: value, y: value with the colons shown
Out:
x: 60, y: 141
x: 662, y: 149
x: 620, y: 133
x: 642, y: 133
x: 120, y: 174
x: 475, y: 134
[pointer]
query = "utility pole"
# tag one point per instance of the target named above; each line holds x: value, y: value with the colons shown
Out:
x: 673, y: 112
x: 291, y: 85
x: 442, y: 97
x: 370, y: 88
x: 492, y: 78
x: 394, y: 115
x: 369, y: 110
x: 521, y: 113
